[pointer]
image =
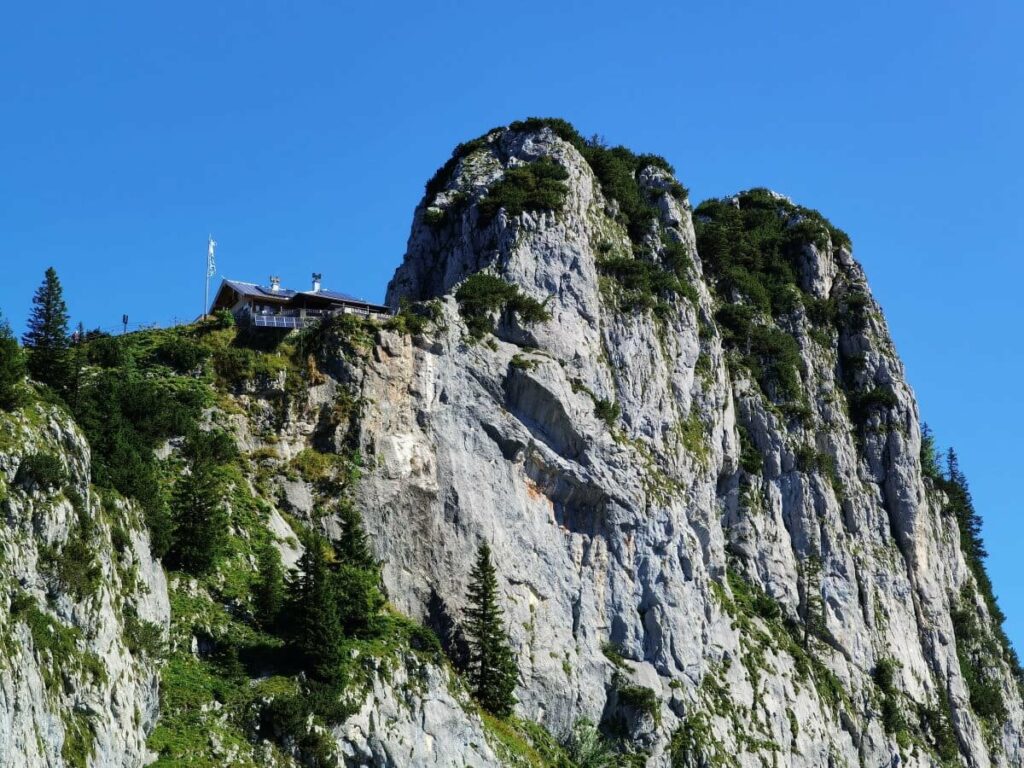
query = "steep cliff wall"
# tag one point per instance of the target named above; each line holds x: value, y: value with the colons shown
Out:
x: 685, y: 435
x: 749, y: 527
x: 83, y: 611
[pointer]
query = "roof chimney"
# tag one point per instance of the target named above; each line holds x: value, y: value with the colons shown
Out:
x: 316, y: 282
x: 275, y: 284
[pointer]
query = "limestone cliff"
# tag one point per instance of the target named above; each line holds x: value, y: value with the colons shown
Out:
x: 685, y: 435
x: 714, y: 516
x: 84, y: 610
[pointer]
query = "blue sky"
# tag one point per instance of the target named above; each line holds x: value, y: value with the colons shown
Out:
x: 300, y: 135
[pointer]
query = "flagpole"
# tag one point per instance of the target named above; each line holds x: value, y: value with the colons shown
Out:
x: 211, y: 244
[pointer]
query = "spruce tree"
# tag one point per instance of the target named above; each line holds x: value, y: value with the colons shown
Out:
x: 200, y: 520
x: 492, y: 666
x: 268, y: 592
x: 12, y: 369
x: 353, y: 547
x: 317, y: 625
x: 47, y: 335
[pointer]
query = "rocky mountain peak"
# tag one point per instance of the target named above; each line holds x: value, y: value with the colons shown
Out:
x: 721, y: 536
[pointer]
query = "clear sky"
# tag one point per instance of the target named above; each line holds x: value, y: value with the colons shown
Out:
x: 300, y: 135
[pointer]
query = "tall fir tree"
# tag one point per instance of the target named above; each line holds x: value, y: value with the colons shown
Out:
x: 318, y: 624
x: 12, y: 369
x: 200, y: 520
x: 47, y: 335
x: 268, y: 592
x: 353, y: 547
x: 492, y: 665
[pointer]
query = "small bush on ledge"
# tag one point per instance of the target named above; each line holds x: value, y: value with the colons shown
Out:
x: 481, y: 295
x: 536, y: 186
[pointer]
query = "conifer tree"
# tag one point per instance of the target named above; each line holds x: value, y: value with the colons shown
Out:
x: 47, y: 335
x: 268, y: 593
x: 929, y: 454
x: 318, y: 628
x: 200, y: 520
x: 354, y: 547
x: 492, y: 666
x: 12, y: 369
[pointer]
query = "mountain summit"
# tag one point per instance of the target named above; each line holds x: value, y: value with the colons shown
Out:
x: 720, y: 535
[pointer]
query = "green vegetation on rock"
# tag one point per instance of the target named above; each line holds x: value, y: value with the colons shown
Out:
x: 481, y: 295
x: 751, y: 249
x: 535, y: 186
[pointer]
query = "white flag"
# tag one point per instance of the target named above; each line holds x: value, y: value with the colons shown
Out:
x: 211, y: 266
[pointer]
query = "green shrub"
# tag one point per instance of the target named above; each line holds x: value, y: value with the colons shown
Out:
x: 774, y: 360
x: 638, y: 698
x: 434, y: 217
x: 443, y: 175
x: 694, y: 744
x: 646, y: 285
x: 759, y: 243
x: 285, y: 719
x: 938, y: 729
x: 425, y: 640
x: 223, y: 318
x: 483, y: 294
x: 607, y: 411
x: 613, y: 652
x: 750, y: 458
x: 617, y: 169
x: 884, y: 675
x: 854, y: 310
x: 182, y: 354
x: 109, y: 352
x: 206, y: 447
x: 75, y: 567
x: 893, y: 719
x: 536, y: 186
x: 892, y: 716
x: 865, y: 402
x: 821, y: 312
x: 979, y: 656
x: 415, y: 317
x: 752, y: 251
x: 44, y: 470
x: 234, y: 365
x: 586, y: 747
x: 143, y: 638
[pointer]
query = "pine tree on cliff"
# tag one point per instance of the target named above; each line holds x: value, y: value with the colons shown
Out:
x: 492, y: 666
x: 200, y: 520
x: 47, y: 335
x: 268, y: 592
x: 317, y: 626
x: 353, y: 547
x: 12, y: 369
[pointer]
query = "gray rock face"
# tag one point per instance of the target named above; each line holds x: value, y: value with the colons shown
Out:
x: 74, y: 687
x: 625, y: 535
x: 720, y: 581
x: 414, y: 718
